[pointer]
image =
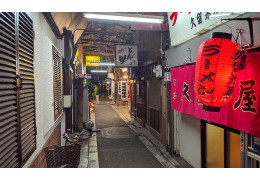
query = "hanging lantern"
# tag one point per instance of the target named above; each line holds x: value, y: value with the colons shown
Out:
x: 214, y: 73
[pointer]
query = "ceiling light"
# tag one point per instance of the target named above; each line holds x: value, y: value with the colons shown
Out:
x: 103, y: 64
x: 99, y: 71
x: 125, y: 17
x: 218, y: 15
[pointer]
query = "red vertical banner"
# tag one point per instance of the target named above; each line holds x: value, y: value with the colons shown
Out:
x: 242, y: 112
x: 245, y: 103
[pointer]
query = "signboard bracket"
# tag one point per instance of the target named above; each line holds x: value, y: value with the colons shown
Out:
x: 250, y: 24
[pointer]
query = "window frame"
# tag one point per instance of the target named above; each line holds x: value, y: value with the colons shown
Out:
x: 58, y: 115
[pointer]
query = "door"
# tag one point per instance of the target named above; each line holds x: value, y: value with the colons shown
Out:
x: 220, y: 146
x: 132, y: 98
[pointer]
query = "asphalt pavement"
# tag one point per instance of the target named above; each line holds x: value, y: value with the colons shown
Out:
x: 118, y: 145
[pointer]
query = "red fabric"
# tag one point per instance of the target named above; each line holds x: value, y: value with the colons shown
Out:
x: 241, y: 119
x: 214, y: 71
x: 236, y: 118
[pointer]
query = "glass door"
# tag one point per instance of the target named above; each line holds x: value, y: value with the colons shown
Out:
x: 220, y: 146
x: 214, y: 147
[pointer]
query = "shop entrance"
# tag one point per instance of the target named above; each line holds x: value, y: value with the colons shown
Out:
x: 220, y: 146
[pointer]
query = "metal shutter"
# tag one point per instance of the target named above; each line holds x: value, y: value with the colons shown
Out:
x: 27, y: 96
x: 8, y: 93
x: 57, y: 82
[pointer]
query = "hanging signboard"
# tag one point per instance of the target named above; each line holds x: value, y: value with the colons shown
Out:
x: 126, y: 56
x: 242, y: 111
x: 184, y: 26
x: 92, y: 59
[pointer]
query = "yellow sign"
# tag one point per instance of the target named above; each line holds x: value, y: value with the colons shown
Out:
x: 92, y: 59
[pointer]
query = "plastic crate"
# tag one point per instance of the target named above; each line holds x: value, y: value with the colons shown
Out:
x: 63, y: 156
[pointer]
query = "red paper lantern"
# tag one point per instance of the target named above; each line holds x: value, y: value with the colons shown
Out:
x: 214, y: 73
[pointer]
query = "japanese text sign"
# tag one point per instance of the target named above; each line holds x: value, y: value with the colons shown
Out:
x: 242, y: 111
x: 126, y: 55
x: 184, y: 26
x: 92, y: 59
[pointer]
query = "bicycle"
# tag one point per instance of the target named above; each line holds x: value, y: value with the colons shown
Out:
x: 68, y: 156
x: 79, y: 136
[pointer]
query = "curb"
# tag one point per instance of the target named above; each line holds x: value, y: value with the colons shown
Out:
x: 92, y: 146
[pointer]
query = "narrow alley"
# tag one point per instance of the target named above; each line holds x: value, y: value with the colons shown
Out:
x: 142, y: 90
x: 118, y: 145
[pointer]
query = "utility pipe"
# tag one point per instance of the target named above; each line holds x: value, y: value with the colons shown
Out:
x: 166, y: 113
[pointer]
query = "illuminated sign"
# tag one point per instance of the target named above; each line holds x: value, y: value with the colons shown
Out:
x: 92, y: 59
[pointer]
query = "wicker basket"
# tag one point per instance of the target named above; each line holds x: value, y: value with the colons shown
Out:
x: 62, y: 156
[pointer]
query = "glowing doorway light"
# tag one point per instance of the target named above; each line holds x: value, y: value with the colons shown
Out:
x: 125, y: 17
x: 124, y: 69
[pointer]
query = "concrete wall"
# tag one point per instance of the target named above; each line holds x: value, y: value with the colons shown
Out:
x: 190, y: 144
x: 44, y: 40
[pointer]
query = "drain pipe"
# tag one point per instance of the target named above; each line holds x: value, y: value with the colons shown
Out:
x: 166, y: 115
x: 74, y: 85
x: 166, y: 100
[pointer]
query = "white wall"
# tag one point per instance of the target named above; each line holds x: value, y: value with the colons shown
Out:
x: 190, y: 140
x: 189, y: 129
x: 44, y: 40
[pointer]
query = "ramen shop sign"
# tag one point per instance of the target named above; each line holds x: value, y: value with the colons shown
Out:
x: 184, y: 26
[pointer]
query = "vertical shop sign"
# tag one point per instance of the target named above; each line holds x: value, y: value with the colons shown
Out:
x: 123, y: 90
x: 242, y: 141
